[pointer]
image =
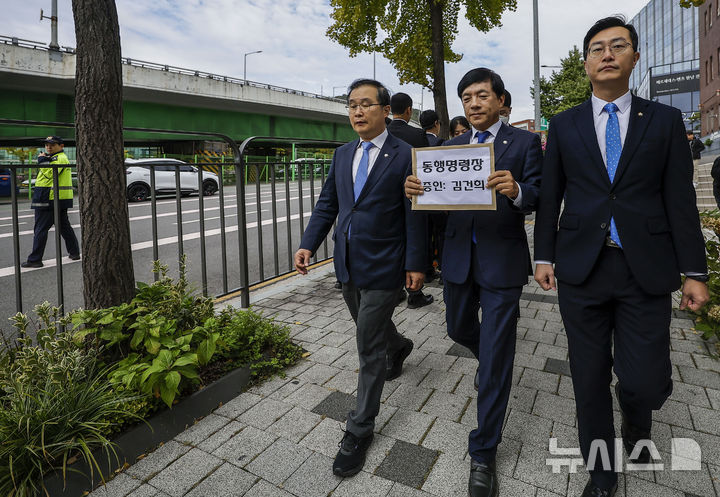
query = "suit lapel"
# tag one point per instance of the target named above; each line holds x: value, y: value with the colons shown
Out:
x: 640, y: 115
x: 385, y: 156
x: 502, y: 141
x: 586, y: 129
x: 347, y: 161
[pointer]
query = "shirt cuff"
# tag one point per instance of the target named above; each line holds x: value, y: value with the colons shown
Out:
x: 518, y: 200
x: 695, y: 274
x: 543, y: 262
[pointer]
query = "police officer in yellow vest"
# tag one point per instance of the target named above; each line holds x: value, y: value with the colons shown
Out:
x: 43, y: 199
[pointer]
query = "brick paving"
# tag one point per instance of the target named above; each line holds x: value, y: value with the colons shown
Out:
x: 279, y: 438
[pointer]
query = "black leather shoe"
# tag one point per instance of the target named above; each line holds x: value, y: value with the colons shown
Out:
x: 631, y: 435
x: 338, y: 285
x: 419, y: 299
x: 476, y: 380
x: 592, y: 490
x: 74, y: 257
x: 483, y: 480
x: 31, y: 264
x: 395, y: 363
x: 351, y: 456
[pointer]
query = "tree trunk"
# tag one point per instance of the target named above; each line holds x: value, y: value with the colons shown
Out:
x: 107, y: 264
x: 438, y: 57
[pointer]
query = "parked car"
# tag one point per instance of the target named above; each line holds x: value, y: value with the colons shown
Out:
x: 138, y: 178
x: 5, y: 190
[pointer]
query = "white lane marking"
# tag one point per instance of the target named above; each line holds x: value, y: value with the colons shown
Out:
x: 47, y: 263
x: 10, y: 224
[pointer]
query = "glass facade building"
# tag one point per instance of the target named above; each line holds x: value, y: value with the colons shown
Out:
x: 669, y: 69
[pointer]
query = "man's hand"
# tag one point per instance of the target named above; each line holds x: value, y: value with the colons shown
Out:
x: 414, y: 279
x: 413, y: 186
x: 695, y: 294
x: 302, y: 260
x: 545, y: 275
x: 503, y: 182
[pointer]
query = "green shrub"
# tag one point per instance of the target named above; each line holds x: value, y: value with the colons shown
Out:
x: 708, y: 321
x: 55, y: 404
x: 246, y: 337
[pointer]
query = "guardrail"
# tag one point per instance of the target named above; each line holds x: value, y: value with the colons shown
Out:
x: 272, y: 183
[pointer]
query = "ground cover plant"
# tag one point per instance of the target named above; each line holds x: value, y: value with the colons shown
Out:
x: 708, y: 321
x: 85, y: 376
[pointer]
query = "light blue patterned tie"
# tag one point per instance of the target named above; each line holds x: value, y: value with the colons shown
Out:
x: 613, y: 148
x: 481, y: 137
x: 362, y: 172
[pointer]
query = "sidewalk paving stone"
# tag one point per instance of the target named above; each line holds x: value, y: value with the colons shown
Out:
x: 184, y: 473
x: 363, y: 484
x: 448, y: 437
x: 445, y: 381
x: 155, y: 462
x: 528, y: 428
x: 448, y: 477
x: 295, y: 424
x: 313, y: 478
x: 409, y: 397
x: 460, y: 351
x: 336, y: 406
x: 318, y: 374
x: 211, y: 443
x: 307, y: 396
x: 144, y: 490
x: 535, y: 378
x: 244, y: 446
x: 557, y: 366
x: 407, y: 463
x: 121, y: 485
x: 408, y: 426
x: 442, y: 362
x: 445, y: 405
x: 277, y: 462
x: 344, y: 381
x: 225, y: 481
x: 202, y: 429
x: 555, y: 407
x: 238, y: 405
x: 265, y: 489
x: 264, y: 413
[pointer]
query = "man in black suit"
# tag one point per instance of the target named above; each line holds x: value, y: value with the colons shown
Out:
x: 401, y: 107
x: 379, y: 245
x: 629, y: 227
x: 431, y: 124
x: 486, y: 263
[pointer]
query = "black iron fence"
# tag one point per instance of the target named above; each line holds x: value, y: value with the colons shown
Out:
x: 261, y: 206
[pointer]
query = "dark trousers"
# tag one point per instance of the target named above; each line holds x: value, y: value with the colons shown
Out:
x: 492, y: 340
x: 611, y: 308
x: 44, y: 220
x: 716, y: 191
x: 436, y: 234
x: 376, y: 337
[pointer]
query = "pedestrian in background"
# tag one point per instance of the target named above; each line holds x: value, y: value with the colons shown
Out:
x: 43, y: 197
x: 696, y: 146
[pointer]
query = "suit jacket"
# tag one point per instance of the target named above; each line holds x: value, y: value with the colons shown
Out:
x: 387, y: 238
x: 502, y: 253
x: 433, y: 141
x: 409, y: 134
x: 651, y: 198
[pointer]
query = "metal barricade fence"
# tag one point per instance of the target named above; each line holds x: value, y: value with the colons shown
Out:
x: 275, y: 193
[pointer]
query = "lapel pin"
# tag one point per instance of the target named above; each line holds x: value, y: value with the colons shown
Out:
x: 504, y: 142
x: 640, y: 114
x: 386, y: 155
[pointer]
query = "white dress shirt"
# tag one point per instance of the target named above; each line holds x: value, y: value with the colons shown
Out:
x: 600, y: 119
x: 373, y: 153
x: 494, y: 130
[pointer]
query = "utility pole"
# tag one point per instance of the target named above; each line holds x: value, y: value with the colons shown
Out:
x: 53, y: 25
x: 374, y: 66
x: 536, y: 40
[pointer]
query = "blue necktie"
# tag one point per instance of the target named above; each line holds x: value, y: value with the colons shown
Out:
x: 362, y: 172
x: 481, y: 137
x: 613, y: 148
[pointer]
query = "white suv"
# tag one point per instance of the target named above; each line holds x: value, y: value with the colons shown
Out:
x: 138, y: 178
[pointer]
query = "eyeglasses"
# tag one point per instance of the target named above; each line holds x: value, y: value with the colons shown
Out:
x: 616, y: 48
x: 364, y: 106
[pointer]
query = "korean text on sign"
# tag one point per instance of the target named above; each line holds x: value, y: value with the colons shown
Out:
x: 454, y: 178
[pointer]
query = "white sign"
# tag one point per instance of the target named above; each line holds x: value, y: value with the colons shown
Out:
x: 454, y: 177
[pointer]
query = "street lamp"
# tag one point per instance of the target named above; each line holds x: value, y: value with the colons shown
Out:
x: 245, y: 63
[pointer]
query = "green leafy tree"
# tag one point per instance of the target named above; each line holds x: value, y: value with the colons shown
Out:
x: 565, y: 88
x: 691, y: 3
x: 416, y: 36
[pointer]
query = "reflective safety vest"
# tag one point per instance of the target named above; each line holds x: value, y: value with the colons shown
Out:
x: 44, y: 178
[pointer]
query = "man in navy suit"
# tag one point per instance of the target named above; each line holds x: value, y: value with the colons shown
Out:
x: 629, y: 227
x: 486, y: 262
x: 430, y: 122
x: 379, y: 246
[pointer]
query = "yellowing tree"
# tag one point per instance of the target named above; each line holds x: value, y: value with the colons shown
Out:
x: 416, y: 36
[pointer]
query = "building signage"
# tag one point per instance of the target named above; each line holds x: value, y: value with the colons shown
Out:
x: 669, y: 84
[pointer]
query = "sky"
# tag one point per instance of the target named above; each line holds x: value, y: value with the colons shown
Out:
x: 214, y: 35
